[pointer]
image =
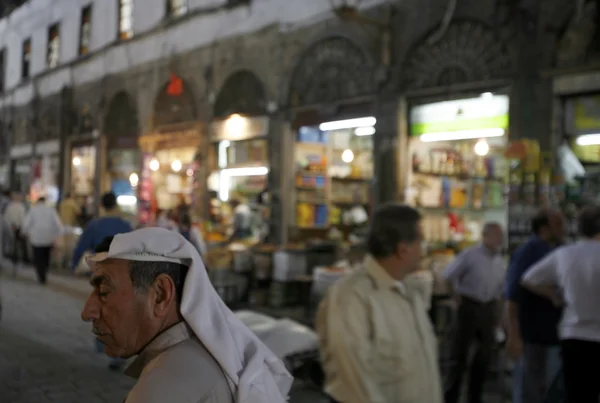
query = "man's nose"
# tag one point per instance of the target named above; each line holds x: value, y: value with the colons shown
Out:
x: 91, y: 309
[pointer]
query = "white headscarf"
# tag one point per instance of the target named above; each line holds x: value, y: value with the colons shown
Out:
x: 254, y: 373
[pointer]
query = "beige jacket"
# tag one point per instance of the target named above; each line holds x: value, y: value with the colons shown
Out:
x: 377, y: 343
x: 176, y: 368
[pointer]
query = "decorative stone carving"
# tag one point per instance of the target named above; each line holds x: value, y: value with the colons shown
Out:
x: 334, y: 69
x: 242, y: 93
x: 468, y: 52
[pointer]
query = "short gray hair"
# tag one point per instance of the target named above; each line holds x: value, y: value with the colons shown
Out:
x: 143, y: 275
x: 392, y: 224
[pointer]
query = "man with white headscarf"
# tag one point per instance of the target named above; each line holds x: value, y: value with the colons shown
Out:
x: 152, y: 298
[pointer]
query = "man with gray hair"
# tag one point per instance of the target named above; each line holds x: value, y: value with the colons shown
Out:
x: 377, y: 343
x: 152, y: 298
x: 477, y: 276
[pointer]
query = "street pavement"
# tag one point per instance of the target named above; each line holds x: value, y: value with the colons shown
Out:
x: 47, y: 352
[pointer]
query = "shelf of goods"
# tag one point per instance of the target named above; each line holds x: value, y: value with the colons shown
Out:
x: 456, y: 190
x: 327, y: 193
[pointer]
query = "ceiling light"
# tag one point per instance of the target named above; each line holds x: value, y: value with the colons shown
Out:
x: 347, y: 156
x: 364, y: 131
x: 134, y: 179
x: 154, y: 164
x: 76, y: 161
x: 482, y: 148
x: 588, y: 140
x: 176, y: 165
x: 347, y: 124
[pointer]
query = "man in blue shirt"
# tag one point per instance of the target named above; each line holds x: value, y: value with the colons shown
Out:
x: 533, y: 320
x: 109, y: 224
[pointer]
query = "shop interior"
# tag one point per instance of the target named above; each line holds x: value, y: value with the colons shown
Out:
x: 172, y: 176
x: 122, y: 179
x: 83, y: 171
x: 333, y: 175
x: 458, y: 169
x: 239, y: 165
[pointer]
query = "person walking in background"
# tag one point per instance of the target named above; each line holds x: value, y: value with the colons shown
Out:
x: 14, y: 215
x: 42, y: 227
x: 377, y: 343
x: 192, y: 235
x: 109, y: 224
x: 533, y: 320
x: 477, y: 276
x: 570, y: 277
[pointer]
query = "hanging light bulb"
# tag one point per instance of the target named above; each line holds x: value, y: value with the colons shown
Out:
x: 347, y: 156
x: 154, y: 164
x: 482, y: 148
x: 176, y: 166
x: 76, y: 161
x: 134, y: 179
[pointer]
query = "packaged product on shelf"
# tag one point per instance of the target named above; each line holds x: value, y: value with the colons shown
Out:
x: 477, y: 193
x: 544, y: 188
x: 494, y: 194
x: 305, y: 215
x: 529, y: 189
x: 458, y: 198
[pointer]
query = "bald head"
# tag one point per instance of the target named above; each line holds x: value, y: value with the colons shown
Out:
x: 492, y: 236
x: 549, y: 225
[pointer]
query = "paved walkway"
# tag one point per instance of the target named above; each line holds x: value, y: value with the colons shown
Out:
x: 47, y: 352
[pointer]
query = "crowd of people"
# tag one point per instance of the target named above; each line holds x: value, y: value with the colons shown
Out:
x: 379, y: 346
x: 376, y: 338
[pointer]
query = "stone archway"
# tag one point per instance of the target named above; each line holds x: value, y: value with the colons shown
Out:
x: 121, y: 119
x: 241, y: 93
x: 331, y: 70
x: 174, y: 104
x: 468, y: 52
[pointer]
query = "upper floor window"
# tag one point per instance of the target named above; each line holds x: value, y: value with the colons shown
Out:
x: 53, y: 46
x: 85, y: 30
x: 2, y: 68
x: 125, y: 19
x: 176, y: 8
x: 26, y: 58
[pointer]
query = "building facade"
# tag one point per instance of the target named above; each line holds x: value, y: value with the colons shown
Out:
x: 83, y: 81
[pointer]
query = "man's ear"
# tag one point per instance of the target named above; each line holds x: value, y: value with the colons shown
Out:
x: 164, y: 294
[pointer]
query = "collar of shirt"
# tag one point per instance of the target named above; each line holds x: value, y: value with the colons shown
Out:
x: 486, y: 250
x: 382, y: 278
x: 170, y: 337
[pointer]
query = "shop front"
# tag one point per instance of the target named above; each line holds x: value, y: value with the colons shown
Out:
x: 333, y: 125
x: 458, y: 169
x: 21, y: 164
x: 122, y: 159
x: 82, y: 162
x: 172, y: 175
x: 46, y: 171
x: 239, y: 159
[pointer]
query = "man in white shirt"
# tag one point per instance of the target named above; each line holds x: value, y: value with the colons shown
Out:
x: 571, y: 276
x: 42, y: 227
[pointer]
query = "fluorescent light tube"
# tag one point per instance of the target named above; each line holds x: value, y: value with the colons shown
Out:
x: 461, y: 135
x: 347, y: 124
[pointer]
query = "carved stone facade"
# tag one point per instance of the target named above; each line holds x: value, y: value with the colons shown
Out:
x: 280, y: 68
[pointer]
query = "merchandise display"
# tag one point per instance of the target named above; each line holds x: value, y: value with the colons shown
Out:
x: 333, y: 174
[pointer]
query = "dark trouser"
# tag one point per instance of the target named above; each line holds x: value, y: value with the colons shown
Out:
x: 476, y: 324
x: 19, y: 252
x: 580, y: 360
x: 41, y: 261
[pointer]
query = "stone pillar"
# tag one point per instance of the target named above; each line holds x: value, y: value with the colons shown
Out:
x: 386, y: 151
x: 276, y: 144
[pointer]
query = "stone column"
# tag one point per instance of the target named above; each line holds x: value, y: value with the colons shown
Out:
x: 386, y: 151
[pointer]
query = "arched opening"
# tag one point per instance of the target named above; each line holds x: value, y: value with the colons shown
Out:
x: 242, y: 93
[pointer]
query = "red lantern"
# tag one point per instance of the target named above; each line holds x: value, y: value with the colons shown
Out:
x: 175, y: 87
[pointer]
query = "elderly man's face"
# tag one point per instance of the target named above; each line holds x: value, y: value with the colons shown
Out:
x: 121, y: 318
